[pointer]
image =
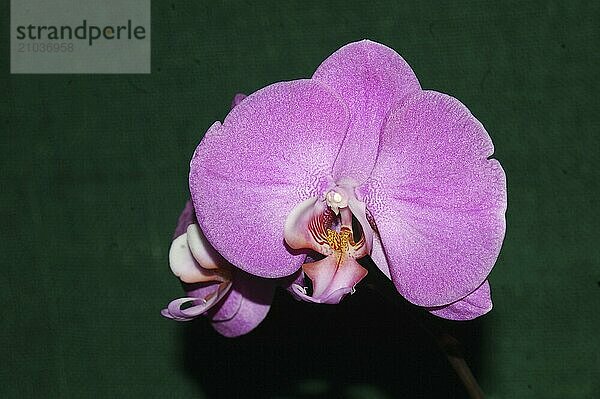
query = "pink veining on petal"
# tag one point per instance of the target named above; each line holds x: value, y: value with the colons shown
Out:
x: 307, y: 224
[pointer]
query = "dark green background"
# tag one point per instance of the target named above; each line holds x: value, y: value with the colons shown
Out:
x: 93, y: 175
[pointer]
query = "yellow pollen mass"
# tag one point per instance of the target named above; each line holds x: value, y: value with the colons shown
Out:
x: 339, y: 241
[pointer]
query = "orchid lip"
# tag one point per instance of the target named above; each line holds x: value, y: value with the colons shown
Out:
x: 325, y: 225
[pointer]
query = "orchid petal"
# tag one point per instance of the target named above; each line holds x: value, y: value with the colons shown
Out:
x: 201, y: 249
x: 437, y: 200
x: 321, y: 274
x: 332, y: 278
x: 297, y: 283
x: 333, y: 298
x: 476, y: 304
x: 201, y: 305
x: 238, y: 98
x: 274, y: 150
x: 371, y: 78
x: 256, y: 297
x: 378, y: 256
x: 187, y: 217
x: 227, y: 307
x: 359, y: 211
x: 184, y: 266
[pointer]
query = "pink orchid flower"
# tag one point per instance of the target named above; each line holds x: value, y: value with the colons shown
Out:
x: 356, y: 161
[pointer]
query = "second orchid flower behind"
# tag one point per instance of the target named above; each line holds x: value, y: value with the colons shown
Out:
x: 356, y: 161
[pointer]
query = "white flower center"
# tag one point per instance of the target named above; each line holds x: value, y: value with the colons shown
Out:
x: 336, y: 200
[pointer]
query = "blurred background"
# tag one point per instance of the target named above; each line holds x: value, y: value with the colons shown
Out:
x: 94, y: 174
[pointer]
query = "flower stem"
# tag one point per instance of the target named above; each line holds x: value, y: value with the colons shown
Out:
x: 452, y: 349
